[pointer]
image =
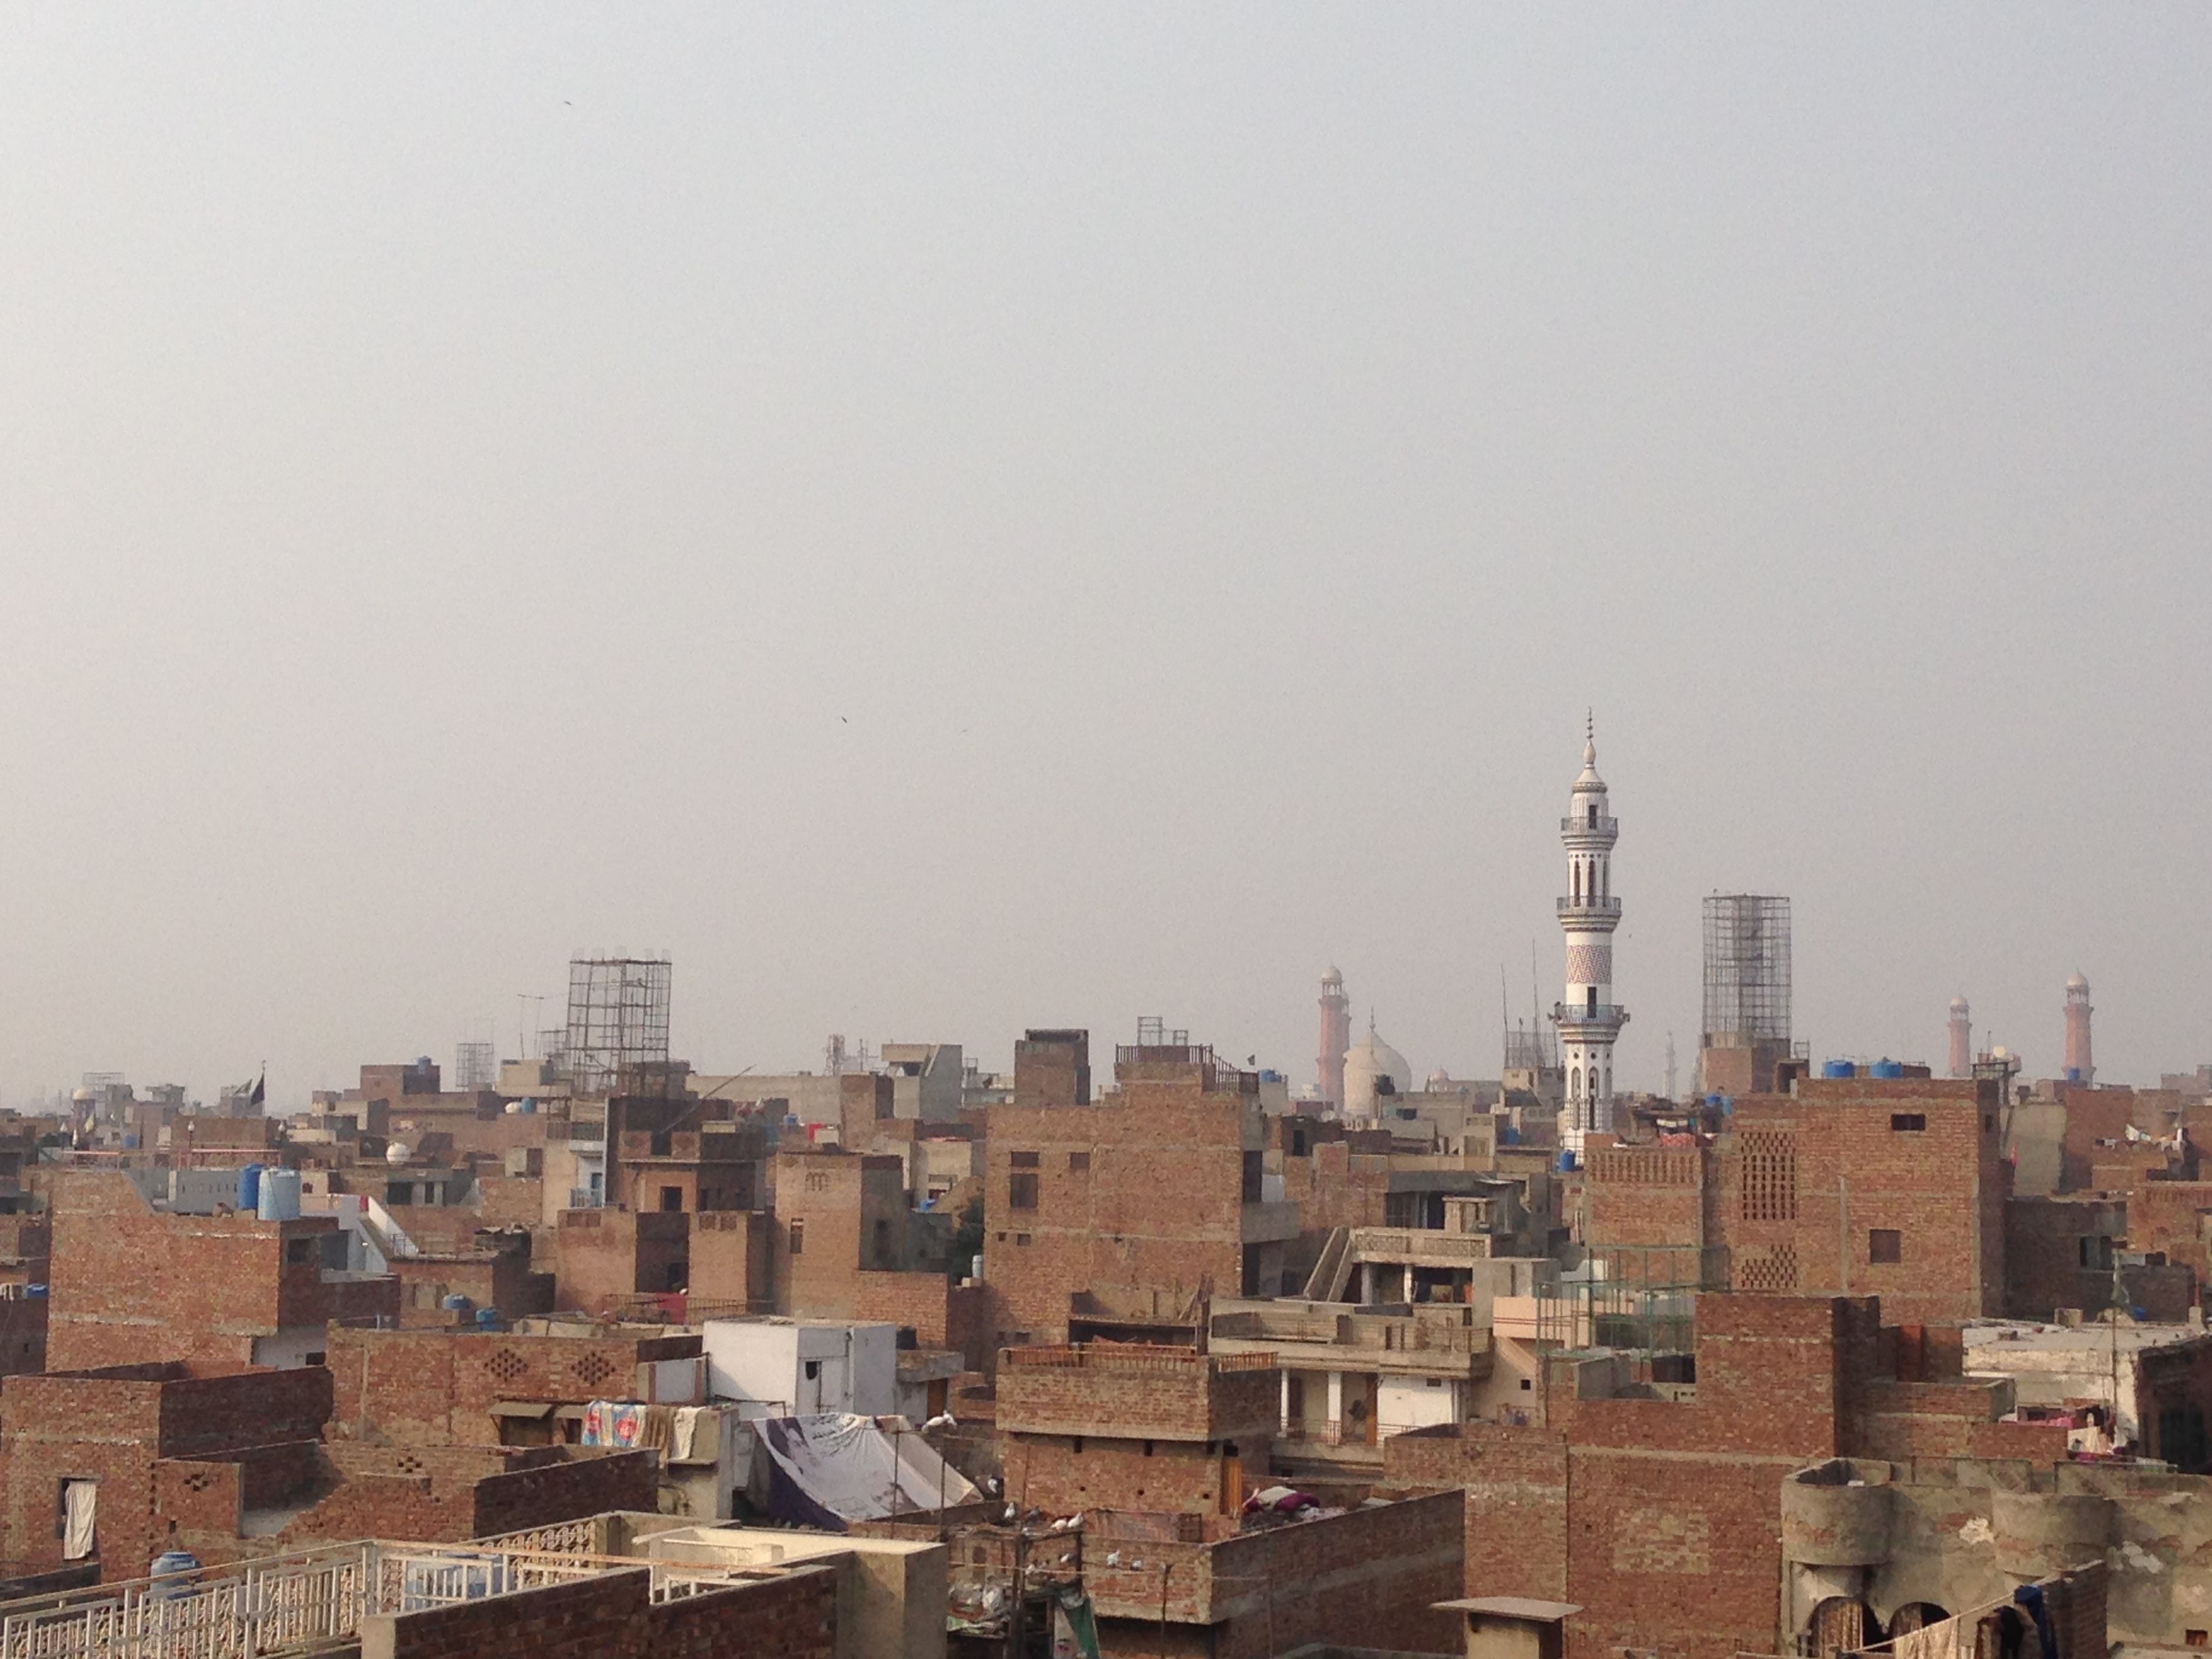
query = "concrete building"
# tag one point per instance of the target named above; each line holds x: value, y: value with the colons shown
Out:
x: 793, y: 1367
x: 925, y: 1080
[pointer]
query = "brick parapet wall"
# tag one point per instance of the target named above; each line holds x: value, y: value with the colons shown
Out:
x: 1138, y: 1393
x: 613, y: 1616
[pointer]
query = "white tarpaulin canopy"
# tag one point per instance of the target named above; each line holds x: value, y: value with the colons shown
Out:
x: 834, y: 1467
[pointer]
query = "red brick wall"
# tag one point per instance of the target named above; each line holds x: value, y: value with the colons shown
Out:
x: 23, y: 1334
x: 1157, y: 1216
x: 1662, y: 1519
x: 941, y: 1314
x: 115, y: 1429
x: 1849, y: 1171
x: 130, y: 1285
x: 433, y: 1388
x: 1366, y: 1580
x: 852, y: 1212
x: 1646, y: 1195
x: 2044, y: 1269
x: 613, y: 1617
x: 1166, y: 1393
x: 731, y: 1253
x: 604, y: 1257
x: 1062, y: 1475
x: 2169, y: 1216
x: 2103, y: 1114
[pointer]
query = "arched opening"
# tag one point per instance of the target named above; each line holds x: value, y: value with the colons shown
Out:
x: 1590, y: 999
x: 1605, y: 877
x: 1593, y: 815
x: 1842, y: 1623
x: 1574, y: 1083
x: 1915, y: 1615
x: 1577, y: 868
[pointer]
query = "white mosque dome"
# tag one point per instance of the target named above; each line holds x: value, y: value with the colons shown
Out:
x: 1369, y: 1061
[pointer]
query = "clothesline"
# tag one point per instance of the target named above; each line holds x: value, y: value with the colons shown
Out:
x: 1890, y: 1642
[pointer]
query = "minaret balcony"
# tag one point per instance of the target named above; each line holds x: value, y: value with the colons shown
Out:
x: 1604, y: 909
x: 1586, y: 825
x: 1570, y: 1016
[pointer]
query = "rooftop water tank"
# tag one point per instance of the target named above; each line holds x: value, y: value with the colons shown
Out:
x: 249, y: 1189
x: 397, y: 1153
x: 487, y: 1319
x: 280, y: 1195
x: 455, y: 1305
x: 174, y: 1573
x: 1838, y: 1068
x: 1887, y: 1068
x: 1566, y: 1160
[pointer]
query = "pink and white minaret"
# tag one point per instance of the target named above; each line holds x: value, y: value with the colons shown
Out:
x: 1588, y: 1019
x: 2079, y: 1067
x: 1335, y: 1037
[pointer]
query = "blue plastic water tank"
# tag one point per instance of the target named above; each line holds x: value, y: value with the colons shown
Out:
x: 487, y: 1319
x: 455, y: 1305
x: 1566, y: 1160
x: 1838, y: 1068
x: 1887, y: 1068
x: 249, y: 1189
x: 2073, y: 1073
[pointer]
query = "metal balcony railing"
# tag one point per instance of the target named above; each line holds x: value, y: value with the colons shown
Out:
x: 1599, y: 827
x: 1581, y: 1013
x: 1606, y: 908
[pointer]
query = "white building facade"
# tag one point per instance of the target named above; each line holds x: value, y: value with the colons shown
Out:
x: 1587, y: 1017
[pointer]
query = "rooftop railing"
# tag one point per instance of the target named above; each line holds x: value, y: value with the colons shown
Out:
x: 296, y: 1601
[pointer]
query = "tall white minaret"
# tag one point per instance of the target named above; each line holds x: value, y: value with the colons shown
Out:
x: 1589, y: 1021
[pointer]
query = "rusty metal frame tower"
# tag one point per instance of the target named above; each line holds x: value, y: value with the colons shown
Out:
x: 617, y: 1020
x: 1746, y: 969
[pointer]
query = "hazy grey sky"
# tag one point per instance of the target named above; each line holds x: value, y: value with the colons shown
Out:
x: 949, y: 518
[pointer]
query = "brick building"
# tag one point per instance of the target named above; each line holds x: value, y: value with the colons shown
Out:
x: 688, y: 1166
x: 1859, y: 1186
x: 1124, y: 1212
x: 1120, y: 1426
x: 116, y: 1464
x: 845, y: 1245
x: 1660, y: 1517
x: 458, y: 1388
x: 133, y: 1286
